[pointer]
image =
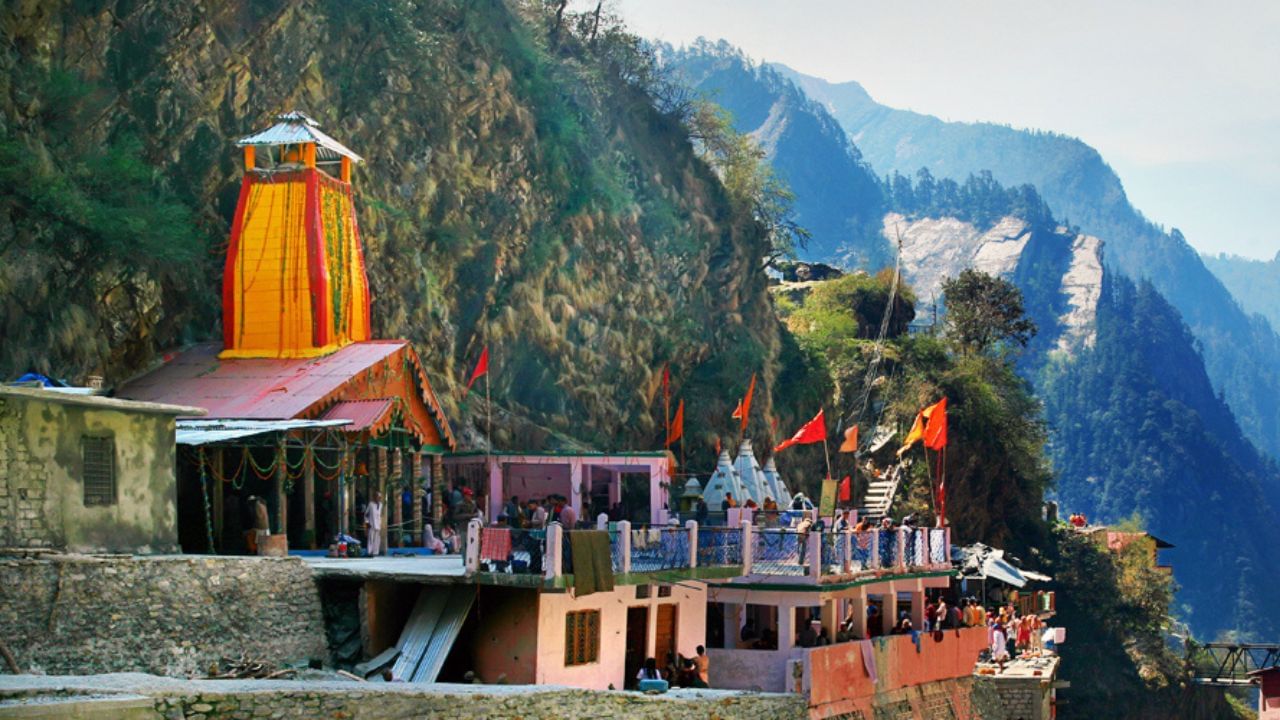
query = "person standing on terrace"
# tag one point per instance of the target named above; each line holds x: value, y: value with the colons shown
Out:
x: 373, y: 524
x: 568, y: 516
x: 537, y: 515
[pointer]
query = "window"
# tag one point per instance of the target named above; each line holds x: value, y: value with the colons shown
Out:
x: 581, y: 637
x: 642, y: 592
x: 664, y: 591
x: 99, y: 455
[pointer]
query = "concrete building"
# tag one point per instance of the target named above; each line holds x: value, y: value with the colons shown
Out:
x: 87, y: 473
x: 592, y: 482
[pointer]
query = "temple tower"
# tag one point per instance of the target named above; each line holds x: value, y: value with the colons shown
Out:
x: 294, y: 284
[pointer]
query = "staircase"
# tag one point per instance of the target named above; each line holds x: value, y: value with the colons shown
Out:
x: 879, y: 496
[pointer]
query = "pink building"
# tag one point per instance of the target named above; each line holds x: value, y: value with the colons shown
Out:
x: 1268, y: 693
x: 592, y: 482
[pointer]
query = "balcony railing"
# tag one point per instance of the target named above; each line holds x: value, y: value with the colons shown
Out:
x: 783, y: 552
x: 654, y: 549
x: 719, y: 546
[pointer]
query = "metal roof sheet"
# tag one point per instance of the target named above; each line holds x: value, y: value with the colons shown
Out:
x: 364, y: 415
x: 296, y: 127
x: 283, y: 388
x: 207, y: 432
x: 257, y: 388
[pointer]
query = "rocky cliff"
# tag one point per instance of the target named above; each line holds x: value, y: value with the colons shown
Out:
x: 520, y: 191
x: 934, y: 249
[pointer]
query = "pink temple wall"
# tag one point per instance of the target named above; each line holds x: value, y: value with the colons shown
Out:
x: 691, y: 631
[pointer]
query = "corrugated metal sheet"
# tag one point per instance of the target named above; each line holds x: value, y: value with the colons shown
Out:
x: 297, y: 127
x: 418, y: 630
x: 288, y: 388
x: 206, y: 432
x: 257, y: 388
x: 461, y: 597
x: 364, y: 415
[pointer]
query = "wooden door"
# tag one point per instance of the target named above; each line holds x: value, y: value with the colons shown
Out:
x: 664, y: 637
x: 637, y: 644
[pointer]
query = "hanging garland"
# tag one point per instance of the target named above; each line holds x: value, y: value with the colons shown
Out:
x: 204, y: 494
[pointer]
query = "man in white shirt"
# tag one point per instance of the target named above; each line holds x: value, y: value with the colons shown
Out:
x: 373, y: 524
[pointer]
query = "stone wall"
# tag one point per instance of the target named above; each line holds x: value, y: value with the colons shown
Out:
x: 169, y: 615
x: 286, y: 700
x: 42, y: 502
x: 1022, y: 698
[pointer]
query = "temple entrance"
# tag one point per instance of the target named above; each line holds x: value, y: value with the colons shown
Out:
x: 637, y: 644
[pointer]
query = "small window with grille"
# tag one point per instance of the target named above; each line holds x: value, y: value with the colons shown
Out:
x: 99, y: 454
x: 581, y: 637
x: 664, y: 591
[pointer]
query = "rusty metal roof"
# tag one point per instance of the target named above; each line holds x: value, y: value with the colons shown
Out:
x: 373, y: 416
x: 257, y: 388
x: 296, y: 127
x: 294, y: 388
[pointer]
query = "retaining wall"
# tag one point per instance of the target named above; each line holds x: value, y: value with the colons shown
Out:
x: 168, y: 615
x: 287, y: 700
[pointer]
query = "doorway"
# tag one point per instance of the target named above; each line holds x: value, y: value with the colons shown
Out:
x: 637, y: 644
x: 664, y: 635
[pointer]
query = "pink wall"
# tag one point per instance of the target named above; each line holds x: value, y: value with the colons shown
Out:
x: 1269, y: 696
x: 691, y: 631
x: 765, y: 670
x: 838, y: 682
x: 538, y: 481
x: 505, y: 641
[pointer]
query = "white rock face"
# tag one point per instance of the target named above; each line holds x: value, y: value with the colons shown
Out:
x: 937, y: 248
x: 1082, y: 285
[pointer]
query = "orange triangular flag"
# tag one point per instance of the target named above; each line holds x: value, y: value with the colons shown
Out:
x: 813, y: 431
x: 677, y: 425
x: 935, y: 433
x: 482, y: 367
x: 850, y: 443
x: 746, y: 402
x: 737, y: 412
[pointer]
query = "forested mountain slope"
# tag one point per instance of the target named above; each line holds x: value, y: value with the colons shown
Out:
x: 946, y: 226
x: 521, y: 191
x: 836, y: 194
x: 1256, y: 283
x: 1241, y: 354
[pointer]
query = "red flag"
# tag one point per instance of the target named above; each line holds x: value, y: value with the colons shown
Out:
x: 677, y: 425
x: 482, y: 367
x: 935, y: 433
x: 813, y: 431
x: 737, y: 412
x: 717, y: 445
x: 846, y: 489
x: 746, y: 402
x: 850, y: 443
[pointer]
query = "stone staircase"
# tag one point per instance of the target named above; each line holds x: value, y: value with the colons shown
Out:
x: 878, y: 498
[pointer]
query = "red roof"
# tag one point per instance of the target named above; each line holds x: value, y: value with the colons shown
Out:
x: 288, y: 388
x: 365, y: 415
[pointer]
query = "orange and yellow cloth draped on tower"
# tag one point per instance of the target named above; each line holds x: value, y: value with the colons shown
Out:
x: 294, y: 283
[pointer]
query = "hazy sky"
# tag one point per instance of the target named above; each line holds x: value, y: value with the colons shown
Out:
x: 1181, y: 97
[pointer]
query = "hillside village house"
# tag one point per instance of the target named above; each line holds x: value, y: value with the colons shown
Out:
x: 84, y: 473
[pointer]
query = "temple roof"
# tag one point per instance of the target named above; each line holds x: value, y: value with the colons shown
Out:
x: 302, y: 388
x: 294, y: 128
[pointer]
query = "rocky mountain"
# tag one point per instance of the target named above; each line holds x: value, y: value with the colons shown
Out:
x: 934, y: 249
x: 1240, y: 352
x: 521, y: 191
x: 1256, y: 283
x: 1109, y: 458
x: 836, y: 194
